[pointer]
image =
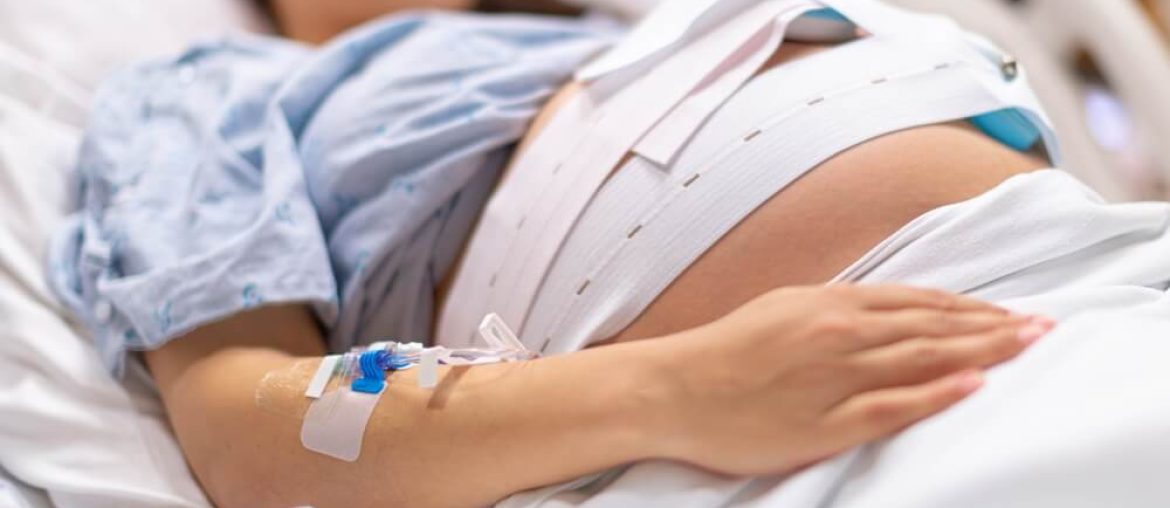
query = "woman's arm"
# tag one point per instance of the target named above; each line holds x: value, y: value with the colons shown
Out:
x: 794, y: 376
x: 484, y: 433
x: 317, y: 21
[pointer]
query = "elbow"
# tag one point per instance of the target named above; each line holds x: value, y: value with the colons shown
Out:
x: 239, y: 431
x: 238, y: 417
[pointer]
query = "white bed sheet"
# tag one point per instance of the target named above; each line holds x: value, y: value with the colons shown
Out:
x: 15, y: 494
x: 67, y: 427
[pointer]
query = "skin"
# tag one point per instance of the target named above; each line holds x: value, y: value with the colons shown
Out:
x: 316, y: 21
x: 796, y: 375
x: 887, y: 188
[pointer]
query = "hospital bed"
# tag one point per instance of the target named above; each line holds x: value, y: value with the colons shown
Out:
x: 72, y: 437
x: 1045, y: 35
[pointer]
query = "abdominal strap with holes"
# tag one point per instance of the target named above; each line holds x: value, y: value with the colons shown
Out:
x: 571, y: 257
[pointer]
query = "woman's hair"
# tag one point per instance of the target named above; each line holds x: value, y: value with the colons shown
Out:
x: 536, y: 6
x: 531, y: 6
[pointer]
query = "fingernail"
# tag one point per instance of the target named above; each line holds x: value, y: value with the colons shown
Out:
x: 1032, y: 333
x: 970, y: 382
x: 1021, y: 318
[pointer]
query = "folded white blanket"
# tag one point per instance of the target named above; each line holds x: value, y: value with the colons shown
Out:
x: 1080, y: 420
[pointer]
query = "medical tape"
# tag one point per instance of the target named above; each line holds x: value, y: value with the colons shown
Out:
x: 335, y: 424
x: 428, y: 369
x: 321, y: 378
x: 525, y: 222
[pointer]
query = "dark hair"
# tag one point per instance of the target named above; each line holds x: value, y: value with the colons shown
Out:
x: 536, y: 6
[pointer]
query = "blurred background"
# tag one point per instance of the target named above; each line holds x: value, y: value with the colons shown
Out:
x: 1102, y: 67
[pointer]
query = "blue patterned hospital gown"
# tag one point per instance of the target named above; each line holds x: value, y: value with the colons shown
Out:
x: 255, y: 171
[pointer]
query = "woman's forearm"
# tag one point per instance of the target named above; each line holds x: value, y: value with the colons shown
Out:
x: 484, y: 433
x: 792, y: 377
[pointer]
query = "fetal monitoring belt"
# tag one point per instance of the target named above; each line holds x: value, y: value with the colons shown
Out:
x: 572, y: 254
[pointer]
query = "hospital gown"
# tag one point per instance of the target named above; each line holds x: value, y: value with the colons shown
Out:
x: 256, y: 171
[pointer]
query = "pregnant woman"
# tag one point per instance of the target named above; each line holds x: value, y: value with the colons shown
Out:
x: 253, y: 204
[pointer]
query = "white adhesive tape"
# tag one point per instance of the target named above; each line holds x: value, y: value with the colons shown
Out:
x: 321, y: 378
x: 428, y: 368
x: 336, y: 423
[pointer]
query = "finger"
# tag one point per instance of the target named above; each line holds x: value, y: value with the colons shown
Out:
x: 890, y: 297
x: 878, y: 329
x: 921, y: 360
x: 874, y: 415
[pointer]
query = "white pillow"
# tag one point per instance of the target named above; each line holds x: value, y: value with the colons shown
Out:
x: 67, y: 426
x: 84, y: 40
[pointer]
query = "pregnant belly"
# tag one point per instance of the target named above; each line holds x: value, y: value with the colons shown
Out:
x: 819, y: 225
x: 822, y: 223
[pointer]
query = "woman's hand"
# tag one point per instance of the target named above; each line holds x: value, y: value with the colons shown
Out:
x: 801, y: 374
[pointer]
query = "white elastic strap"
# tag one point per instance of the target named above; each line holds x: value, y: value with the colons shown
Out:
x: 525, y: 258
x: 638, y: 188
x: 335, y: 424
x: 633, y: 106
x: 321, y: 378
x: 525, y: 221
x: 672, y: 132
x: 944, y: 34
x: 676, y: 226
